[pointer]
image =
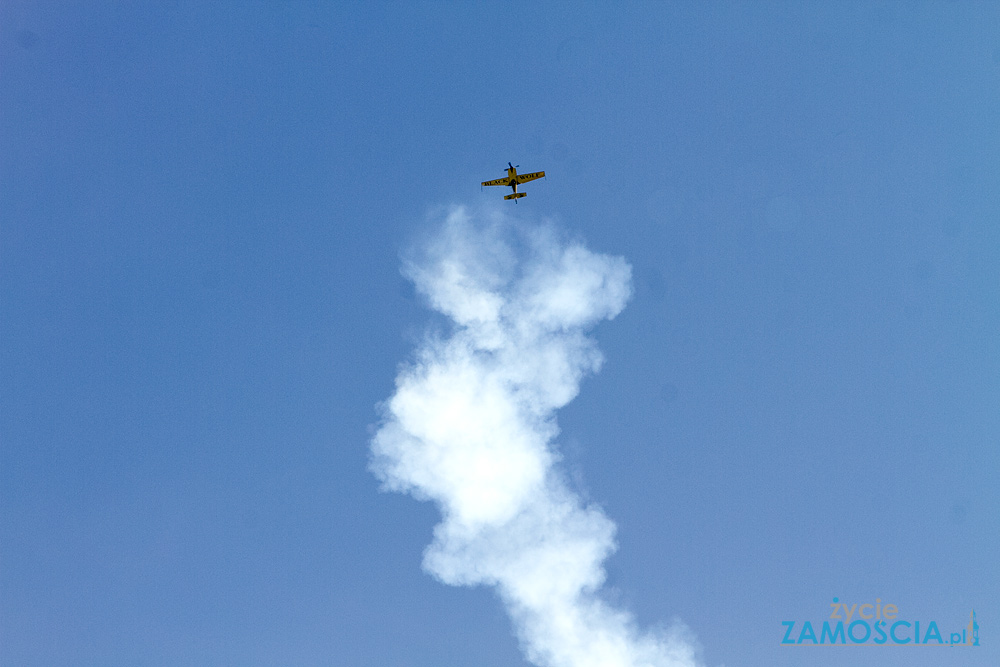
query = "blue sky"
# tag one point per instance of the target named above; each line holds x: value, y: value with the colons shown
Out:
x: 202, y: 212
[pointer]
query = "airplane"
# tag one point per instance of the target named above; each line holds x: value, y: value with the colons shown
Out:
x: 512, y: 180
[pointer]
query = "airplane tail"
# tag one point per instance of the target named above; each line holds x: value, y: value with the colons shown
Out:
x: 516, y: 195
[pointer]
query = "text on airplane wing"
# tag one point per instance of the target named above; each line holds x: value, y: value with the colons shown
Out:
x: 524, y: 178
x: 499, y: 181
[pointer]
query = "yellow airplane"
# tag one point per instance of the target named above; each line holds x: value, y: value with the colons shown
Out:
x: 512, y: 180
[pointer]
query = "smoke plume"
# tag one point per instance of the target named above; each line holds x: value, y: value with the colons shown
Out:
x: 471, y: 425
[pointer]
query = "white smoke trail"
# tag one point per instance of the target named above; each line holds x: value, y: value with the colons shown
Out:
x: 470, y: 427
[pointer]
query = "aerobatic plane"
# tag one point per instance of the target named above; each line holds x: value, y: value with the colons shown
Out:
x: 513, y: 179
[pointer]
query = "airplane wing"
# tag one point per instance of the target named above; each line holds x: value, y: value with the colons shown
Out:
x: 499, y: 181
x: 524, y: 178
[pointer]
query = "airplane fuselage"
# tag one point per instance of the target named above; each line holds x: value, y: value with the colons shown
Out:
x: 512, y: 175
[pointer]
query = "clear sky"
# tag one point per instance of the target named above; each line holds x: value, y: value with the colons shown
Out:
x: 203, y: 209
